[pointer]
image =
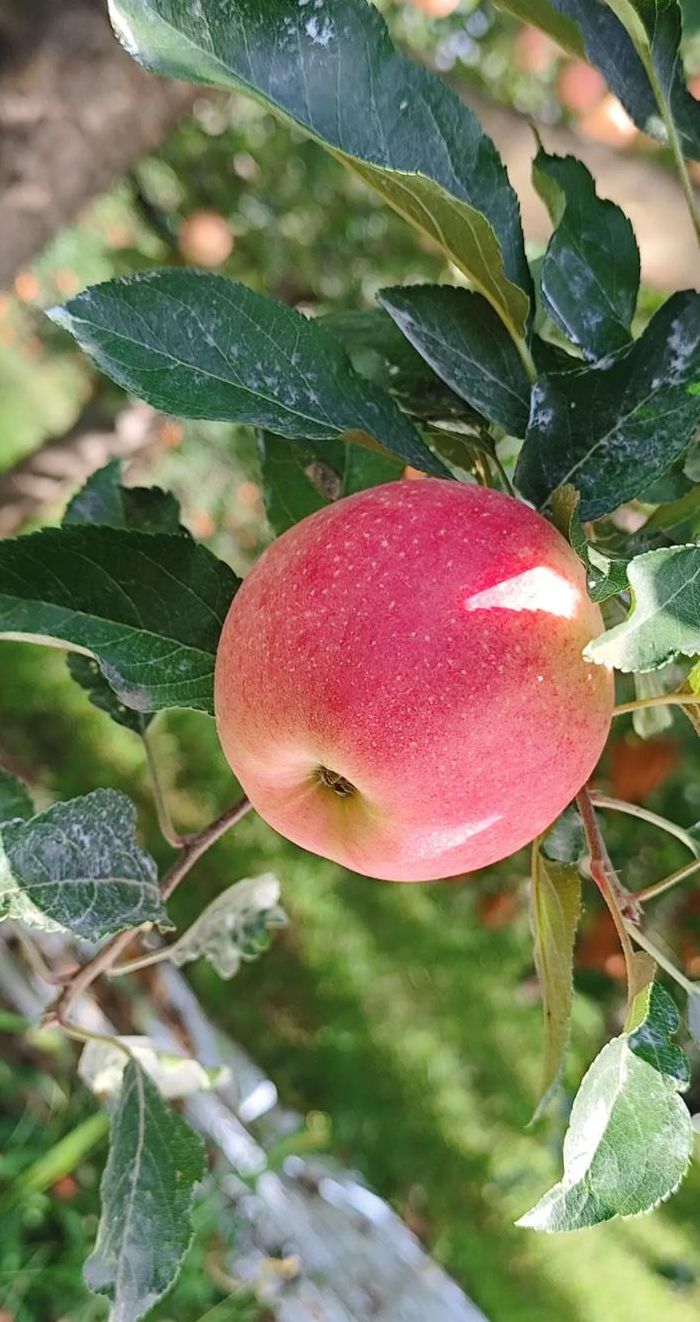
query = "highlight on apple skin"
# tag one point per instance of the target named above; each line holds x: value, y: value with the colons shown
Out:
x: 400, y: 683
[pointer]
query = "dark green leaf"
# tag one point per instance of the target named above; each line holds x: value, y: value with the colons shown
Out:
x: 148, y: 606
x: 465, y: 342
x: 299, y: 480
x: 15, y: 799
x: 86, y: 672
x: 610, y: 430
x: 555, y: 909
x: 664, y: 619
x: 629, y: 1139
x: 606, y: 576
x: 155, y: 1162
x: 655, y: 29
x: 590, y: 272
x: 608, y: 45
x: 201, y: 346
x: 78, y: 866
x: 379, y: 352
x: 104, y: 500
x: 337, y: 77
x: 565, y: 842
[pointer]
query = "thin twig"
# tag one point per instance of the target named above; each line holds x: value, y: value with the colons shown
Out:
x: 644, y: 815
x: 660, y: 700
x: 658, y: 887
x: 622, y: 904
x: 36, y: 960
x: 165, y: 821
x: 191, y: 851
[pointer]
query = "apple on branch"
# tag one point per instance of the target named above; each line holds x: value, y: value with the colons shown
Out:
x: 400, y: 683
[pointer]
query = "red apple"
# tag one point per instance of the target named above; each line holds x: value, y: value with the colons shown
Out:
x: 400, y: 685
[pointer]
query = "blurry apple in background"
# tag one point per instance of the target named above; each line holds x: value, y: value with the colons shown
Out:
x: 609, y: 123
x: 579, y: 86
x: 535, y: 52
x: 400, y: 683
x: 205, y: 239
x: 436, y: 8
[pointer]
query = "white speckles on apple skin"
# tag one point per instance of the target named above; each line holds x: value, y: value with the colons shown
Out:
x: 360, y: 642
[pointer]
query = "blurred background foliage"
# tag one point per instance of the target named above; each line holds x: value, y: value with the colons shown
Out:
x: 407, y: 1016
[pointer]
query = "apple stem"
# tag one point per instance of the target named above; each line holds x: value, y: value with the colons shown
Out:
x: 165, y: 821
x: 623, y: 905
x: 190, y: 852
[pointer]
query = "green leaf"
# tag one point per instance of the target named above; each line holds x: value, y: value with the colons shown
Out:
x: 15, y: 799
x: 651, y: 721
x: 78, y: 867
x: 336, y: 76
x: 610, y: 430
x: 607, y: 44
x: 379, y: 352
x: 565, y: 841
x: 148, y: 606
x: 300, y: 480
x: 664, y: 618
x: 464, y: 341
x: 546, y: 16
x: 86, y: 672
x: 155, y: 1161
x: 234, y: 927
x: 630, y: 1138
x: 201, y: 346
x: 606, y: 575
x: 590, y: 271
x: 655, y: 28
x: 104, y: 500
x: 555, y: 909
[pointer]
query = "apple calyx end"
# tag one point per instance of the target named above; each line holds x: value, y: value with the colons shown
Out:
x: 332, y: 780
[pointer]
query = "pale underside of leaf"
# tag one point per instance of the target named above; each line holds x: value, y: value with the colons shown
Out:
x: 556, y: 908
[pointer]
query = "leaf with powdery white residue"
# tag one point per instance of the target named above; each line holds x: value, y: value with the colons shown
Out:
x: 78, y: 867
x: 590, y: 271
x: 332, y: 71
x: 379, y: 352
x: 465, y: 342
x: 155, y: 1163
x: 612, y: 429
x: 149, y: 607
x: 15, y: 799
x: 555, y: 910
x: 664, y: 620
x: 630, y: 1138
x: 234, y: 927
x: 201, y: 346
